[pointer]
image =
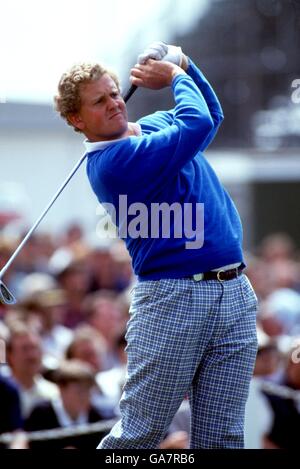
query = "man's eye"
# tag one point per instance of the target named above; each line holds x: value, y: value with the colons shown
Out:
x: 100, y: 100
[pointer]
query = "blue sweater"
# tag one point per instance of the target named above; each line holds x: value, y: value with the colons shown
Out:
x: 166, y: 165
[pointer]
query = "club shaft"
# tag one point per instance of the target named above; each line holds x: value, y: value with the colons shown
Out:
x: 42, y: 216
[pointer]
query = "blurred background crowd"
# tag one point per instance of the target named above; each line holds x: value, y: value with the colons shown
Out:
x: 65, y: 358
x: 63, y: 346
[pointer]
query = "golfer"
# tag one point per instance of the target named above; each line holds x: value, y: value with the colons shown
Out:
x: 192, y: 327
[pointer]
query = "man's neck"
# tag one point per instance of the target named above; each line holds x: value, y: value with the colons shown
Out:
x: 133, y: 130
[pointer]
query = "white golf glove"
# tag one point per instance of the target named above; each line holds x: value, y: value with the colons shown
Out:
x: 161, y: 51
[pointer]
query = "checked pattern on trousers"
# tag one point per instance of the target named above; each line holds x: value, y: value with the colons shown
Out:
x: 187, y: 337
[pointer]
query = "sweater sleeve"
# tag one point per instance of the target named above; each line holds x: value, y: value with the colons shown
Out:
x: 211, y: 99
x: 136, y: 161
x: 157, y: 121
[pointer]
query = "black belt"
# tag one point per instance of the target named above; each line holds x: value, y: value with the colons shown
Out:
x: 221, y: 275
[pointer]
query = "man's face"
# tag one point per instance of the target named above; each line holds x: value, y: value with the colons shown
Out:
x: 76, y: 398
x: 26, y: 354
x: 103, y: 114
x: 89, y: 352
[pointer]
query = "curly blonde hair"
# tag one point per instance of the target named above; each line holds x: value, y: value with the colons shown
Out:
x: 68, y: 101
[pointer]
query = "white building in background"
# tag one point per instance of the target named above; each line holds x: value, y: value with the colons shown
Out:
x: 37, y: 152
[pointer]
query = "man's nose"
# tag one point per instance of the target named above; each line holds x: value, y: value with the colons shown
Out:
x: 112, y: 103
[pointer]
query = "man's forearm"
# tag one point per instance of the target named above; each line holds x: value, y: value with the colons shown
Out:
x: 204, y: 86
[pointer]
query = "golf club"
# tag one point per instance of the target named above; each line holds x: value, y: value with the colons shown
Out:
x: 6, y: 297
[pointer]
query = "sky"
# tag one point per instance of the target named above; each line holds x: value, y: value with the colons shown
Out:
x: 39, y: 40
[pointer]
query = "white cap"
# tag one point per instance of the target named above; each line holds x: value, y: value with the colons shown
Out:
x: 284, y: 304
x: 60, y: 261
x: 35, y: 283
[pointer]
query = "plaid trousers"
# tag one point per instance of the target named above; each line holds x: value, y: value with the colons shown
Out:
x: 187, y: 338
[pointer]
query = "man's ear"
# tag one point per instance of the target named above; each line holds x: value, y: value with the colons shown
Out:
x: 76, y: 121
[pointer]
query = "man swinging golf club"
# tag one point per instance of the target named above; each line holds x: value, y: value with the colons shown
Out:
x: 192, y: 329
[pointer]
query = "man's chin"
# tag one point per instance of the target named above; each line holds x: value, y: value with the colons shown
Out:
x: 118, y: 134
x: 122, y: 132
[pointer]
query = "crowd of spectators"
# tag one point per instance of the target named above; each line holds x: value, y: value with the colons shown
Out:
x: 65, y: 347
x: 273, y: 408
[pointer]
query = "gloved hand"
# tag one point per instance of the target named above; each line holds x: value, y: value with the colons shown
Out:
x: 161, y: 51
x: 156, y: 51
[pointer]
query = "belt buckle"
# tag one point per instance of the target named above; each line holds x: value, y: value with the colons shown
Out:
x: 218, y: 275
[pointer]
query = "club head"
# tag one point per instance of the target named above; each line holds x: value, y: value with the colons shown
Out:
x: 5, y: 296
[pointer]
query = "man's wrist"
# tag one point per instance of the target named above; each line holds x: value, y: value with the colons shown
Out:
x: 184, y: 62
x: 177, y: 73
